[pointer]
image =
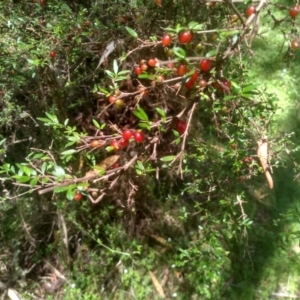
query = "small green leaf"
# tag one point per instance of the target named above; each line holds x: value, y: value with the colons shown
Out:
x: 44, y: 167
x: 176, y: 133
x: 99, y: 170
x: 96, y: 123
x: 60, y: 189
x: 27, y: 170
x: 82, y: 186
x: 132, y: 32
x: 38, y: 155
x: 228, y: 33
x: 211, y: 53
x: 58, y: 171
x: 44, y: 120
x: 68, y: 152
x: 140, y: 113
x: 71, y: 192
x: 250, y: 88
x: 140, y: 165
x: 168, y: 158
x: 53, y: 118
x: 145, y: 125
x: 1, y: 142
x: 120, y: 78
x: 161, y: 112
x: 192, y: 25
x: 125, y: 72
x: 115, y: 66
x: 33, y: 181
x: 21, y: 179
x: 69, y: 144
x: 179, y: 52
x: 110, y: 74
x: 198, y: 27
x: 146, y: 76
x: 110, y: 148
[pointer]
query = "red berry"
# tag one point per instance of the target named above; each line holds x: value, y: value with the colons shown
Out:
x: 181, y: 69
x: 137, y: 70
x: 94, y: 144
x: 166, y: 40
x: 181, y: 126
x: 191, y: 82
x: 202, y: 83
x: 250, y: 10
x: 194, y: 76
x: 52, y: 54
x: 78, y: 196
x: 295, y: 44
x: 294, y: 11
x: 144, y: 67
x: 42, y: 2
x: 114, y: 144
x: 127, y: 134
x: 185, y: 37
x: 123, y: 143
x: 205, y: 65
x: 112, y: 99
x: 152, y: 62
x: 139, y: 136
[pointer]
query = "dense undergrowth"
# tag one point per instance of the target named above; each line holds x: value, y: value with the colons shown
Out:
x: 182, y: 211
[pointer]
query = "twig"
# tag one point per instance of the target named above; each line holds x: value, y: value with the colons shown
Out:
x: 244, y: 216
x: 47, y: 152
x: 284, y: 295
x: 64, y: 232
x: 230, y: 2
x: 55, y: 271
x: 181, y: 154
x: 249, y: 21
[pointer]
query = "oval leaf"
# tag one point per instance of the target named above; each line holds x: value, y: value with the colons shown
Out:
x: 168, y: 158
x: 132, y: 32
x: 179, y: 52
x: 68, y: 152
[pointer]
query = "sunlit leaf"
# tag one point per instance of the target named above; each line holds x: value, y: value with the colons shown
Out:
x: 58, y: 171
x: 115, y: 66
x: 168, y: 158
x: 132, y: 32
x: 68, y: 152
x: 21, y: 179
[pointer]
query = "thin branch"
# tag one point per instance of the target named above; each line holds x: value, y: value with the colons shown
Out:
x: 230, y: 2
x: 249, y: 21
x: 181, y: 154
